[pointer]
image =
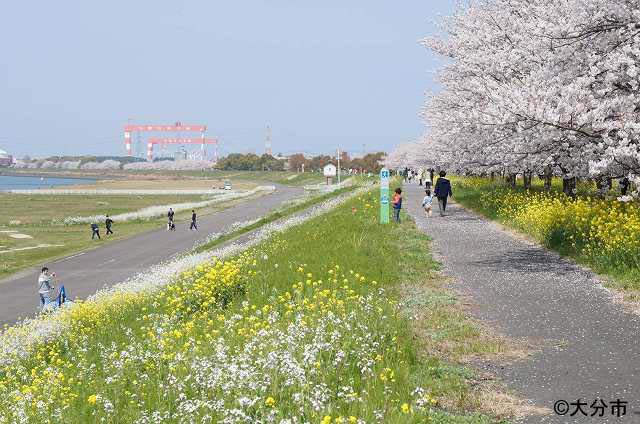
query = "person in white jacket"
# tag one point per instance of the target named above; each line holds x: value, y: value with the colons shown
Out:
x: 45, y: 285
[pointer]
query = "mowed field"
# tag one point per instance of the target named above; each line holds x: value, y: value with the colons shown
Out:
x: 180, y: 179
x: 31, y: 231
x: 178, y: 184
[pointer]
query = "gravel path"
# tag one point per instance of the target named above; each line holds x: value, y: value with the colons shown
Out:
x: 587, y: 345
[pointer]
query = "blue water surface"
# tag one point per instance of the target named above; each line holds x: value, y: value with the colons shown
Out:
x: 10, y: 182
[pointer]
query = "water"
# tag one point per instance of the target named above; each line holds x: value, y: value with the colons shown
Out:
x: 10, y: 182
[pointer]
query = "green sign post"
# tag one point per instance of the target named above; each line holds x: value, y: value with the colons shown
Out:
x: 384, y: 196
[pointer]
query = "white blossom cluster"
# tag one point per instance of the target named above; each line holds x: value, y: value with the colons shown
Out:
x: 170, y: 165
x: 156, y: 211
x: 16, y: 342
x: 535, y: 86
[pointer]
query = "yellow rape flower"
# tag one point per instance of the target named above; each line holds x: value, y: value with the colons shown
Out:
x: 91, y: 400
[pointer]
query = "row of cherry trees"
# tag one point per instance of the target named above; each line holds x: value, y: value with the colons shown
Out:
x: 535, y: 87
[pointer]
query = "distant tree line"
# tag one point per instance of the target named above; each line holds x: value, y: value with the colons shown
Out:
x: 89, y: 158
x: 298, y: 162
x: 250, y: 162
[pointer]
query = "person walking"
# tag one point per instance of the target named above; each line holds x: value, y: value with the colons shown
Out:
x: 396, y: 202
x: 95, y: 231
x: 420, y: 176
x: 170, y: 224
x: 442, y: 192
x: 45, y: 286
x: 108, y: 223
x: 427, y: 202
x: 193, y: 226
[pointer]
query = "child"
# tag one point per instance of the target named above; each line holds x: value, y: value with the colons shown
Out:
x: 426, y: 202
x: 396, y: 201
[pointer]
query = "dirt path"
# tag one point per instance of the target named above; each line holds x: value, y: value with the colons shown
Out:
x: 586, y: 345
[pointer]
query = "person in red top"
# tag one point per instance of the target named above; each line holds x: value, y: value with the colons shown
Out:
x: 396, y: 201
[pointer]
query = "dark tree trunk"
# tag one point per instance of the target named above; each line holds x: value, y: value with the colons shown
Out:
x: 492, y: 176
x: 569, y: 186
x: 602, y: 185
x: 511, y: 180
x: 547, y: 179
x: 526, y: 178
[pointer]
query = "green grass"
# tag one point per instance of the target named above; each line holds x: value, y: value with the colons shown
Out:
x: 274, y: 216
x: 39, y: 209
x: 282, y: 177
x: 369, y: 291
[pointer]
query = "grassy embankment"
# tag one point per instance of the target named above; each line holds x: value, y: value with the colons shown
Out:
x: 34, y: 215
x: 336, y: 320
x: 601, y: 234
x: 274, y: 216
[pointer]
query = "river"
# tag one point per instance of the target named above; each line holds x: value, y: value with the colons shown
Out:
x: 10, y: 182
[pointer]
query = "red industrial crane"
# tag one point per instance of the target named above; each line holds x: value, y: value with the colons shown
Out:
x: 177, y: 127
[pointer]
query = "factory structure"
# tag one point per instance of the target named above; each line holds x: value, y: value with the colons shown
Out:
x: 5, y: 158
x: 156, y: 146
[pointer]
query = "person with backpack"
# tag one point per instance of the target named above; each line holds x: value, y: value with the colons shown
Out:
x: 45, y: 285
x: 95, y: 231
x: 443, y: 191
x: 108, y: 223
x: 396, y: 202
x: 193, y: 226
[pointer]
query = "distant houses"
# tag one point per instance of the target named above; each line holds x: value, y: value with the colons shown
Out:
x: 5, y: 158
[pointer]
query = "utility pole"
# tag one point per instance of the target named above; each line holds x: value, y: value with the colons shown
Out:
x: 267, y: 142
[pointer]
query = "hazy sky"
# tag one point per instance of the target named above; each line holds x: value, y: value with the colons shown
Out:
x: 327, y: 74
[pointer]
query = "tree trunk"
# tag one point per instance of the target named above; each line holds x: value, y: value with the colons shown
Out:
x: 602, y: 185
x: 547, y: 178
x: 492, y: 176
x: 511, y: 180
x: 569, y: 186
x: 526, y: 178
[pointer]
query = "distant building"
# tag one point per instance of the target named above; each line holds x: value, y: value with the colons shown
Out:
x: 5, y: 158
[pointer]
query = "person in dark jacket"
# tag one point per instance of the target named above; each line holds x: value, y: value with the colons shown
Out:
x: 442, y: 192
x: 108, y: 223
x: 95, y: 231
x: 193, y: 226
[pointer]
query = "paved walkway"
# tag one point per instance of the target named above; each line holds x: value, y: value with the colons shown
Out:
x: 84, y: 273
x: 589, y: 346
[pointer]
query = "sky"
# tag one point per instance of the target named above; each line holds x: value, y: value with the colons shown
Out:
x: 323, y: 75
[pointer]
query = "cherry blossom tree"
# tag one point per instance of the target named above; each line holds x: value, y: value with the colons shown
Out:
x: 546, y: 87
